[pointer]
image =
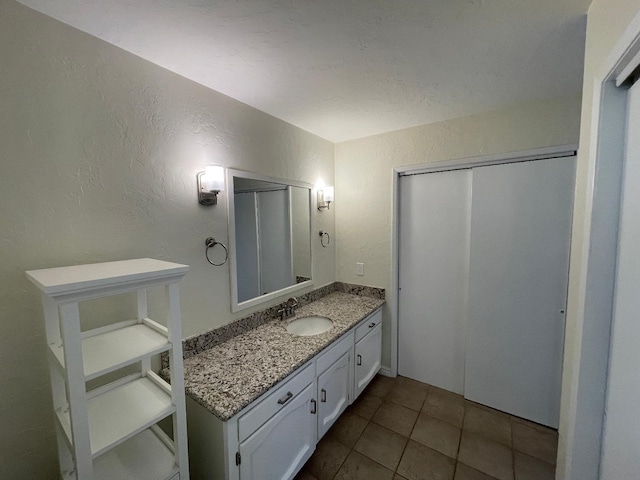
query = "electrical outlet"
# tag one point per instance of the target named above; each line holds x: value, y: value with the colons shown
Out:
x: 360, y: 269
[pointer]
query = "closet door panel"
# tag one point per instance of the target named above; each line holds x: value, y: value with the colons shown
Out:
x: 274, y: 239
x: 247, y: 240
x: 520, y: 238
x: 433, y: 262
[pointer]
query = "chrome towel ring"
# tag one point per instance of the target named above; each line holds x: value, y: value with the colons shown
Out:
x: 322, y: 235
x: 211, y: 242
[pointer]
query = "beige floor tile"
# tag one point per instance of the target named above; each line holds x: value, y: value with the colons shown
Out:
x: 488, y: 423
x: 422, y: 463
x: 348, y: 428
x: 382, y: 445
x: 359, y: 467
x: 327, y: 459
x: 529, y: 468
x: 380, y: 386
x: 441, y: 436
x: 398, y: 477
x: 366, y: 405
x: 488, y: 409
x: 304, y: 475
x: 410, y: 382
x: 443, y: 405
x: 534, y: 442
x: 537, y: 426
x: 465, y: 472
x: 485, y: 455
x: 408, y: 393
x: 396, y: 417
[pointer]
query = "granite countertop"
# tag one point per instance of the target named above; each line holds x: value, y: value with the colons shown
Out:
x: 228, y: 377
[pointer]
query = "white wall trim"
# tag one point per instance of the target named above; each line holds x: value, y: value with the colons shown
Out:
x: 392, y: 294
x: 510, y: 157
x: 447, y: 165
x: 584, y: 401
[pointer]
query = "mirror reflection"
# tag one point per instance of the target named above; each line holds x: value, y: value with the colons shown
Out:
x: 272, y: 236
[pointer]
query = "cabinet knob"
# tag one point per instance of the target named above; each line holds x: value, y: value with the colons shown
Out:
x: 371, y: 325
x: 313, y: 406
x: 359, y: 361
x: 323, y: 396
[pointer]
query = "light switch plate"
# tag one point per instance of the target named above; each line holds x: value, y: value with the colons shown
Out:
x: 360, y: 269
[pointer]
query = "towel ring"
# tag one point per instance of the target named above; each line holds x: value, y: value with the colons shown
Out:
x: 322, y: 235
x: 211, y: 242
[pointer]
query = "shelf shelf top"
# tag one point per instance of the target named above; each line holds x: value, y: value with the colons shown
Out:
x: 78, y: 278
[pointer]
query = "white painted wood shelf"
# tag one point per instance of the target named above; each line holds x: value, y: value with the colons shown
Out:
x: 120, y: 413
x: 112, y: 432
x: 149, y: 454
x: 129, y: 342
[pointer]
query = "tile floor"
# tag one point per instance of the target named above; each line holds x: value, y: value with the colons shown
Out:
x: 403, y: 429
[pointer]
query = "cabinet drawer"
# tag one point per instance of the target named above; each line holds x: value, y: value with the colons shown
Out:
x: 331, y: 354
x: 274, y: 401
x: 368, y: 324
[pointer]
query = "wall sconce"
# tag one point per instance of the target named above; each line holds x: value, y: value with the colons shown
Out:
x: 210, y: 183
x: 325, y: 197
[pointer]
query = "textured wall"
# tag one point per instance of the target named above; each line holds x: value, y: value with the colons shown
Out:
x: 364, y: 175
x: 99, y: 152
x: 607, y: 20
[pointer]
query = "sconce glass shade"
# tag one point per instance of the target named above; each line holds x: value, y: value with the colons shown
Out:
x: 325, y: 197
x: 328, y: 194
x: 210, y: 183
x: 213, y: 179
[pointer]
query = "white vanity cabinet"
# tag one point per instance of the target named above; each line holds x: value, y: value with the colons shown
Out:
x: 333, y: 369
x: 284, y: 442
x: 112, y: 432
x: 368, y: 350
x: 274, y: 436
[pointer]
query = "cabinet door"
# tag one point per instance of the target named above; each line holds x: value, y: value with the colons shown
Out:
x: 333, y: 393
x: 279, y: 448
x: 367, y: 364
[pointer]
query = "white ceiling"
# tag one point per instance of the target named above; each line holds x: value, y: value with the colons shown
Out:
x: 344, y: 69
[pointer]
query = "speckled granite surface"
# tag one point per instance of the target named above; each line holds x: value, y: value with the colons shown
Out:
x: 229, y: 376
x: 204, y: 341
x: 362, y: 290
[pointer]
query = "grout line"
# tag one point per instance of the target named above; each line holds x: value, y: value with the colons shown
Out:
x: 513, y: 450
x: 455, y: 467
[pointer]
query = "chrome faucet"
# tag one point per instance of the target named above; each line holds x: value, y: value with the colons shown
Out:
x: 288, y: 308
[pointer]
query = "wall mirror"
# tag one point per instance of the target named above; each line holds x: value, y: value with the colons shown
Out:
x: 269, y: 236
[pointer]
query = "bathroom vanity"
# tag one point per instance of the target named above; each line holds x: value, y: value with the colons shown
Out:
x: 258, y: 403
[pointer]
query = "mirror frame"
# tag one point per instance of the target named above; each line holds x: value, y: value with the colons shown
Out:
x: 233, y: 264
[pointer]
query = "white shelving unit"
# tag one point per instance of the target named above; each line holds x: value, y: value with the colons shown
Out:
x: 111, y: 432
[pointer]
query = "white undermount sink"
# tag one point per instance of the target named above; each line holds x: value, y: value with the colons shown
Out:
x: 307, y: 326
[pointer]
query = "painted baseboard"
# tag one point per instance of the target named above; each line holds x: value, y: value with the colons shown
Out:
x: 386, y: 371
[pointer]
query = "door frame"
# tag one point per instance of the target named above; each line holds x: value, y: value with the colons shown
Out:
x: 584, y: 393
x: 443, y: 166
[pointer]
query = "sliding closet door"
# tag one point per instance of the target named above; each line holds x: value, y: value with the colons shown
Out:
x: 246, y: 222
x: 274, y: 238
x: 520, y: 236
x: 434, y: 263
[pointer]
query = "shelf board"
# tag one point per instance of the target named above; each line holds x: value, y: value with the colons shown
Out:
x: 144, y: 456
x: 115, y: 349
x: 120, y: 413
x: 65, y: 423
x: 78, y: 279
